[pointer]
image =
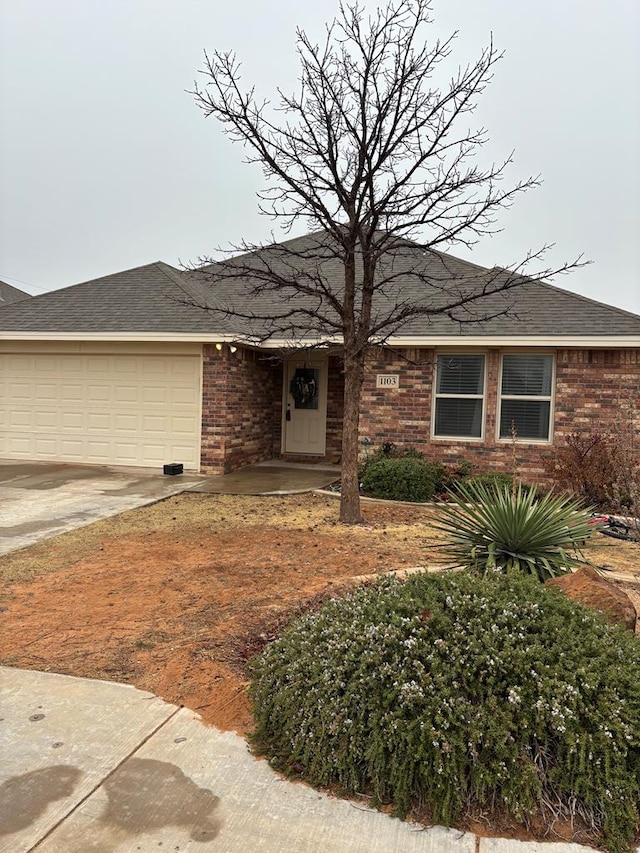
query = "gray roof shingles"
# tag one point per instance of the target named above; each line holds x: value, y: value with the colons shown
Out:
x: 146, y: 299
x: 10, y: 294
x: 158, y: 298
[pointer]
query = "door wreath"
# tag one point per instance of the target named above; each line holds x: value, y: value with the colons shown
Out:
x: 304, y: 388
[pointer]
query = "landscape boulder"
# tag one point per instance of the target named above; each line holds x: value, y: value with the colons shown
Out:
x: 589, y: 587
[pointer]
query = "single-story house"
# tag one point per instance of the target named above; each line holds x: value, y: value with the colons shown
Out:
x: 146, y: 366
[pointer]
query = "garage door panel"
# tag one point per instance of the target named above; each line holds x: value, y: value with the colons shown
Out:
x: 43, y: 366
x: 46, y: 420
x: 98, y: 393
x: 17, y: 447
x: 183, y: 396
x: 155, y: 424
x: 159, y: 370
x: 19, y: 391
x: 17, y: 419
x: 45, y: 446
x: 48, y: 391
x: 128, y: 423
x: 129, y: 365
x: 127, y: 393
x: 182, y: 426
x: 98, y: 451
x: 94, y: 365
x: 127, y: 451
x: 130, y: 410
x: 72, y: 393
x: 185, y: 369
x: 72, y: 421
x: 96, y: 422
x: 156, y: 452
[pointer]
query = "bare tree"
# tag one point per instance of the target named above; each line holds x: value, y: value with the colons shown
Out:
x: 377, y: 157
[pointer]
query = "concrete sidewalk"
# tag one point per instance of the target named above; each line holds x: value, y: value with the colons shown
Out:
x: 96, y: 766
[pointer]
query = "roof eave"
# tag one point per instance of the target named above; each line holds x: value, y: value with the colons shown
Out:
x: 127, y: 337
x: 549, y: 341
x: 416, y: 341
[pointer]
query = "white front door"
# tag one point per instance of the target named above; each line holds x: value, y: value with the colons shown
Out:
x: 305, y: 405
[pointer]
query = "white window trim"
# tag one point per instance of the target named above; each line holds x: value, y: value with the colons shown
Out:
x: 550, y: 398
x: 435, y: 397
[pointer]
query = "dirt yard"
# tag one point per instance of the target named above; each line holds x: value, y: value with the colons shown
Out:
x: 176, y: 596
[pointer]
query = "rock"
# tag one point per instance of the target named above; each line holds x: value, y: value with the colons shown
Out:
x: 589, y: 587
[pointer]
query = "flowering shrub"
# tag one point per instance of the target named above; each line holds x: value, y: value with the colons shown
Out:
x: 457, y: 691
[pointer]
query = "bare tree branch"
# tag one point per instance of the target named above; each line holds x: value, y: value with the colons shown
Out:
x: 375, y: 153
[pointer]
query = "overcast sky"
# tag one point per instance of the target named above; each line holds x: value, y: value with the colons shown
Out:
x: 106, y: 163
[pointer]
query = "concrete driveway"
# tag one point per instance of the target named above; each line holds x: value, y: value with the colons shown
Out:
x: 43, y: 499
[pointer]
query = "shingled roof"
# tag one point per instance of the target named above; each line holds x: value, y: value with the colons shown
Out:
x: 159, y: 300
x: 10, y: 294
x: 417, y: 276
x: 154, y: 298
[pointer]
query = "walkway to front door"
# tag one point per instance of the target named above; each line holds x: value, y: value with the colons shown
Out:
x: 270, y: 478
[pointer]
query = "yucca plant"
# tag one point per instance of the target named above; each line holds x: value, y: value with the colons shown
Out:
x: 503, y: 529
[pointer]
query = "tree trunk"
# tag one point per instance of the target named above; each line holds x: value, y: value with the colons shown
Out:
x: 350, y: 492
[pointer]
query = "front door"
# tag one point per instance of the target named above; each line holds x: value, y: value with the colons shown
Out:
x: 305, y: 405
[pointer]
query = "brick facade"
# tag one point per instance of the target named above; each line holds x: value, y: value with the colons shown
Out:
x: 589, y: 387
x: 241, y: 394
x: 242, y: 407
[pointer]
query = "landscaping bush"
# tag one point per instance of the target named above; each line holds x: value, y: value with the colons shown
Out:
x: 459, y: 691
x: 584, y: 465
x: 402, y: 478
x: 492, y: 527
x: 494, y: 479
x: 604, y: 469
x: 389, y: 450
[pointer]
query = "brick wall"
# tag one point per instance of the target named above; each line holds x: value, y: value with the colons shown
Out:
x: 589, y: 386
x: 214, y: 388
x: 592, y: 385
x: 335, y: 408
x: 240, y: 397
x: 242, y: 407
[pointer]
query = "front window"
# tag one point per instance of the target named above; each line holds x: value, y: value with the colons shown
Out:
x: 459, y: 398
x: 525, y: 399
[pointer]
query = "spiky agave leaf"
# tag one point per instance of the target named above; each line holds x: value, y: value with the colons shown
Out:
x: 492, y: 527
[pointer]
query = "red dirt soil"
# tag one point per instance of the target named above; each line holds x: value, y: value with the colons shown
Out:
x: 176, y: 611
x: 176, y: 596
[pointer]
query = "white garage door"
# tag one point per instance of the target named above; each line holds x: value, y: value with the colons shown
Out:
x: 140, y: 409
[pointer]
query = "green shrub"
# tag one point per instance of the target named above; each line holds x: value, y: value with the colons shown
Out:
x: 458, y: 691
x: 389, y: 450
x: 495, y: 479
x: 495, y: 528
x: 404, y: 478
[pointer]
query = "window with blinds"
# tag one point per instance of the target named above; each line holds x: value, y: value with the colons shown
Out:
x: 525, y: 398
x: 459, y: 397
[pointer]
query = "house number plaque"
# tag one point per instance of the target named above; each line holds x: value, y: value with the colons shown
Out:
x: 388, y: 380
